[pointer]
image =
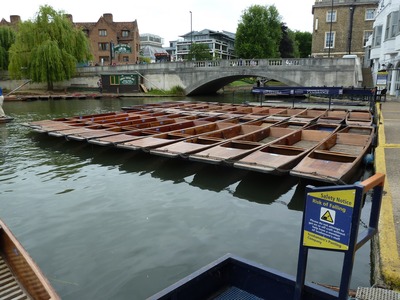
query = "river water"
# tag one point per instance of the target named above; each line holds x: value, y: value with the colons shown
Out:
x: 115, y: 224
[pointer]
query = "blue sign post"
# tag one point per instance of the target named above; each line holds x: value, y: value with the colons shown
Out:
x: 331, y: 222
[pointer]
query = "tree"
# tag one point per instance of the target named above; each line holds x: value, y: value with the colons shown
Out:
x: 7, y: 38
x: 199, y: 52
x: 259, y: 33
x: 303, y: 40
x: 287, y: 45
x: 48, y: 48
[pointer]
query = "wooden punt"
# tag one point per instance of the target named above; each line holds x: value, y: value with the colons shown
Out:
x: 6, y: 119
x: 280, y: 156
x: 214, y: 130
x: 107, y: 129
x: 234, y: 149
x: 202, y: 142
x: 57, y: 127
x: 287, y: 113
x: 337, y: 159
x: 359, y: 118
x: 20, y: 277
x: 336, y: 116
x: 309, y: 115
x: 130, y: 133
x: 81, y: 127
x: 44, y: 125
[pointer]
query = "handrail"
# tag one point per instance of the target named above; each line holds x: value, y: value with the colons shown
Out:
x: 376, y: 180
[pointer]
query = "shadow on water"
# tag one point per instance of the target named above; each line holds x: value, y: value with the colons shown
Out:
x: 263, y: 188
x: 177, y: 170
x: 216, y: 177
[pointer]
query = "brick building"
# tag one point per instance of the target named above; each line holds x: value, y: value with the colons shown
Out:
x: 14, y: 20
x: 121, y: 39
x: 342, y: 27
x: 106, y: 38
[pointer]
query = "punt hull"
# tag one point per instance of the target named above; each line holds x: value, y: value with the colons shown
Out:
x: 20, y: 274
x: 231, y: 277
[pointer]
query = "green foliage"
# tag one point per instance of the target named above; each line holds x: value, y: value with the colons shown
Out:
x: 304, y: 41
x: 199, y: 52
x: 174, y: 91
x: 259, y: 33
x: 178, y: 90
x: 48, y: 48
x: 7, y: 38
x: 288, y: 46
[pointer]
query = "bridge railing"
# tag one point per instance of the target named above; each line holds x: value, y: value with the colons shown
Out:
x: 233, y: 63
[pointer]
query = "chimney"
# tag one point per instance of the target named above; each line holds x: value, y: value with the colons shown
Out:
x: 108, y: 17
x: 69, y: 17
x: 15, y: 19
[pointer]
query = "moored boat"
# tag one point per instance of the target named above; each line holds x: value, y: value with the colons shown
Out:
x: 337, y: 159
x: 21, y: 278
x: 336, y: 116
x: 234, y: 149
x: 214, y: 130
x: 309, y: 115
x: 280, y: 156
x: 359, y: 118
x: 6, y: 119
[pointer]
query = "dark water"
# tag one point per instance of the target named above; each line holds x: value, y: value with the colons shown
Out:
x: 115, y: 224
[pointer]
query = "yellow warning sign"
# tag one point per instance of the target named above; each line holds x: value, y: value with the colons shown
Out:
x: 315, y: 240
x: 327, y: 217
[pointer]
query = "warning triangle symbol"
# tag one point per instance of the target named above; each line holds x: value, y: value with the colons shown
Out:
x: 327, y: 217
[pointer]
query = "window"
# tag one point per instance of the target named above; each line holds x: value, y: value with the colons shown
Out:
x: 125, y: 58
x: 367, y: 34
x: 102, y: 32
x: 394, y: 26
x: 125, y: 33
x: 331, y: 16
x: 114, y: 79
x: 103, y: 46
x: 329, y: 39
x: 369, y: 14
x: 377, y: 37
x: 391, y: 28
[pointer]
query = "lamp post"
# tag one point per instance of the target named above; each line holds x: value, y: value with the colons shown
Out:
x: 191, y: 30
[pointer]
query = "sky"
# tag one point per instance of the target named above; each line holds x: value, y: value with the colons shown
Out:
x: 168, y: 19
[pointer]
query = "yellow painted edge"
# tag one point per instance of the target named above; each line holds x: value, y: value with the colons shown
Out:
x: 389, y: 256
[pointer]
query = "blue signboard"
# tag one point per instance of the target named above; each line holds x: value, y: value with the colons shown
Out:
x: 328, y: 216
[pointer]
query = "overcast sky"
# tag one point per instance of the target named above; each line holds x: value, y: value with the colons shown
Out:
x: 168, y: 19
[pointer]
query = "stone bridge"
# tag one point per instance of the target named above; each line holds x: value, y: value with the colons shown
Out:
x: 207, y: 77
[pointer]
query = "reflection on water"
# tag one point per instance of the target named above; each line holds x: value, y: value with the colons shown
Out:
x: 107, y: 223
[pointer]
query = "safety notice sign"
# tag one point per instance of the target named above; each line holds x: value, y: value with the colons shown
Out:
x: 328, y: 217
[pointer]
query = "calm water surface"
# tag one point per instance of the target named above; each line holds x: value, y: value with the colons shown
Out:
x: 116, y: 224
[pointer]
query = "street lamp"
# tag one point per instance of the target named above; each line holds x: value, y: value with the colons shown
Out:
x: 191, y: 30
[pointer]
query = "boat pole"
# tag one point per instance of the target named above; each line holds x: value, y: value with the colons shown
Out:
x: 18, y: 87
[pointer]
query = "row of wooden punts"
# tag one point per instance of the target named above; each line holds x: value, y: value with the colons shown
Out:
x: 70, y: 96
x: 314, y: 143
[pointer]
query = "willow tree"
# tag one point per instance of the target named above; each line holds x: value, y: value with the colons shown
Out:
x: 7, y: 38
x: 259, y: 33
x: 48, y: 48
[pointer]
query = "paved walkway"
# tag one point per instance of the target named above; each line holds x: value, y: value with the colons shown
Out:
x: 387, y: 160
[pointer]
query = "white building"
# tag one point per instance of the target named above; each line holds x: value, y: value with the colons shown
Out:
x: 221, y: 44
x: 150, y: 44
x: 385, y: 46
